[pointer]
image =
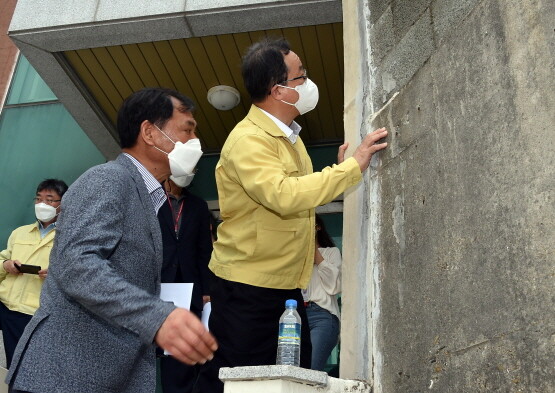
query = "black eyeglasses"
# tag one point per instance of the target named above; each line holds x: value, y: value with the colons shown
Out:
x: 47, y: 201
x: 304, y: 76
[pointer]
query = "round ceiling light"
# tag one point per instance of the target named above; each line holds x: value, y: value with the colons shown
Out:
x: 223, y: 97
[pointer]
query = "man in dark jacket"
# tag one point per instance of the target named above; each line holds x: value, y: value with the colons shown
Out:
x: 185, y: 224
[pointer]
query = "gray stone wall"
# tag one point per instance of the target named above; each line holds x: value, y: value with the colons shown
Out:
x: 464, y: 281
x: 405, y: 33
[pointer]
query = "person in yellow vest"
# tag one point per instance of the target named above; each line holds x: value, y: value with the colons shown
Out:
x: 27, y: 245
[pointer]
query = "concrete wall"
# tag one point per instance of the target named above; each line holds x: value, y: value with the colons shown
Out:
x: 459, y: 258
x: 8, y: 51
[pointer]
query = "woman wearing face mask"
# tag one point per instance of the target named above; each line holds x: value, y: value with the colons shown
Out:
x: 320, y: 297
x: 29, y: 245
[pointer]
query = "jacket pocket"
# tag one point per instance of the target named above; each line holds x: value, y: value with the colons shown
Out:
x: 277, y: 243
x: 31, y: 296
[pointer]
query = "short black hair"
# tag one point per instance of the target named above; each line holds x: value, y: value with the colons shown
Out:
x: 264, y: 66
x: 151, y: 103
x: 53, y: 185
x: 322, y: 235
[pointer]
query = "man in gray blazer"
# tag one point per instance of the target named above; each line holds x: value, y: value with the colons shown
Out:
x: 100, y: 312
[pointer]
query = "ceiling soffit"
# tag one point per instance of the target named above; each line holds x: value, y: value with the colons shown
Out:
x: 194, y: 65
x: 94, y: 53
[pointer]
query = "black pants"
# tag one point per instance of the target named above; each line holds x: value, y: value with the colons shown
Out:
x: 245, y: 322
x: 177, y: 377
x: 13, y: 324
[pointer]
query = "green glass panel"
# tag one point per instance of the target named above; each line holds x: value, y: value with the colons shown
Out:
x: 27, y: 86
x: 37, y: 142
x: 334, y: 226
x: 204, y: 183
x: 322, y: 156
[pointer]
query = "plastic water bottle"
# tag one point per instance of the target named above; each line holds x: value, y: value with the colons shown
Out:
x: 289, y: 337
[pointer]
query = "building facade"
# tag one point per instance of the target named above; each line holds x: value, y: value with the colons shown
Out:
x: 448, y: 245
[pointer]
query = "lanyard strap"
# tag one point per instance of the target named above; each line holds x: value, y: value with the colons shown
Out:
x: 176, y: 219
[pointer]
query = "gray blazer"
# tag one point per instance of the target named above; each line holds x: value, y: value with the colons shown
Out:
x: 99, y: 307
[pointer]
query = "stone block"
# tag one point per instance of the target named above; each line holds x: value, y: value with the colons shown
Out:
x: 409, y: 116
x: 285, y: 379
x: 377, y: 8
x: 382, y: 38
x: 447, y: 14
x: 290, y: 373
x: 406, y: 13
x: 409, y: 54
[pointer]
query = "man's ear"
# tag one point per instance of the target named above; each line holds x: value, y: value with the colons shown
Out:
x: 146, y: 132
x: 276, y: 92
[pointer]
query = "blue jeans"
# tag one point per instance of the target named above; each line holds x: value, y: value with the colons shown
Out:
x: 324, y: 334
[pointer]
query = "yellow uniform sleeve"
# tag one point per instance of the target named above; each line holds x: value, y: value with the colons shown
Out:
x: 5, y: 254
x: 256, y: 165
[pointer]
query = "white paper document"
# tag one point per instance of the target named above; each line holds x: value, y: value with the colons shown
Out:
x: 179, y: 294
x: 206, y: 314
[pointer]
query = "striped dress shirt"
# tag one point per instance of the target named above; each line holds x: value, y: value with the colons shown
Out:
x: 154, y: 188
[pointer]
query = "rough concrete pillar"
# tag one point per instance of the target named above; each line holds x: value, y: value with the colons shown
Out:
x: 460, y: 255
x: 356, y: 332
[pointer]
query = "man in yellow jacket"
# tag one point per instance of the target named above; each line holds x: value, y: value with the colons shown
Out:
x: 267, y: 195
x: 27, y: 245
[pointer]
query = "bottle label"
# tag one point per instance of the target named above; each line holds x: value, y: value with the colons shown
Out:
x: 289, y: 332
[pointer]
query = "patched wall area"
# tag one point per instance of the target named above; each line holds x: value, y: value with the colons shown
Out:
x: 463, y: 293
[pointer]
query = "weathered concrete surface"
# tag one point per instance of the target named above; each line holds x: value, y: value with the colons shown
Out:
x: 467, y: 257
x: 8, y: 51
x: 286, y: 379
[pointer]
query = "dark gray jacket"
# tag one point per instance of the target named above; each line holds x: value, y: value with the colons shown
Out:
x: 100, y: 308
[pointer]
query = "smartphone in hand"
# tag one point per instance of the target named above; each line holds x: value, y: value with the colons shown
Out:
x: 29, y: 269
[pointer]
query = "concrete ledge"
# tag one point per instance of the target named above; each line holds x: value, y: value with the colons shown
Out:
x: 261, y: 373
x: 3, y: 386
x: 286, y: 379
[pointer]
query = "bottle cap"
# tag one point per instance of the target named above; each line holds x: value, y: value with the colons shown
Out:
x: 291, y: 303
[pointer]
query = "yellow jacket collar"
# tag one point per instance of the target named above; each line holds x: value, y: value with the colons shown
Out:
x: 264, y: 122
x: 32, y: 228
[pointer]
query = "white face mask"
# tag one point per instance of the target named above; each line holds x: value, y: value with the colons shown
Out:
x: 308, y: 96
x: 183, y: 159
x: 183, y: 181
x: 44, y: 212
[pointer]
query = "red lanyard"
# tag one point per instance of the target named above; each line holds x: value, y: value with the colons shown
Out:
x: 176, y: 219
